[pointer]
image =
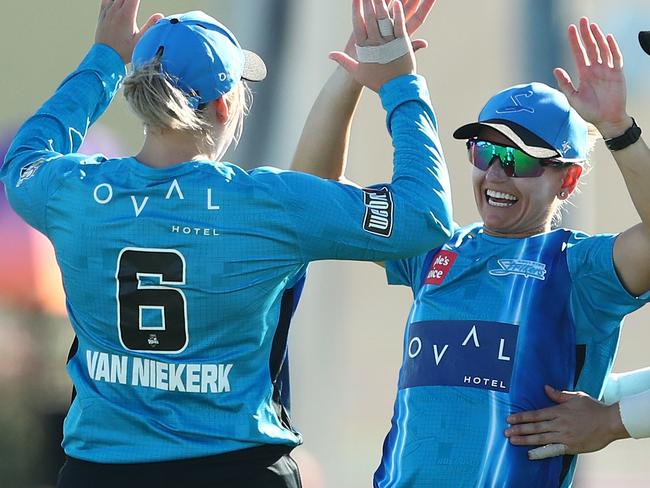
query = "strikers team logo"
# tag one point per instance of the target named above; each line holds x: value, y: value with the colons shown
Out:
x: 378, y: 218
x: 522, y: 267
x: 440, y: 267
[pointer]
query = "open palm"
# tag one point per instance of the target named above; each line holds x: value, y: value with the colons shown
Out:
x: 600, y: 97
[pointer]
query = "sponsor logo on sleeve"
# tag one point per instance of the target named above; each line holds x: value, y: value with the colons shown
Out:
x: 29, y: 170
x: 378, y: 218
x: 440, y: 267
x: 473, y: 354
x: 522, y: 267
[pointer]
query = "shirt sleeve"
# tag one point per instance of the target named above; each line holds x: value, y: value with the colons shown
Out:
x: 41, y: 153
x: 597, y: 293
x: 634, y: 414
x: 620, y: 385
x: 332, y: 220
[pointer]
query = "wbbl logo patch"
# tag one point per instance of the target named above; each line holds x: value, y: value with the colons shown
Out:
x: 29, y: 170
x: 378, y: 219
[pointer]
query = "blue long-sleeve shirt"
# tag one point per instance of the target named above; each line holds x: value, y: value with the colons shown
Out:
x: 179, y: 281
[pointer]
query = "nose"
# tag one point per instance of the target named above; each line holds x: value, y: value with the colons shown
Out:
x: 495, y: 171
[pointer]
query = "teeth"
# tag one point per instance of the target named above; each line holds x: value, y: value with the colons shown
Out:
x: 502, y: 196
x: 491, y: 195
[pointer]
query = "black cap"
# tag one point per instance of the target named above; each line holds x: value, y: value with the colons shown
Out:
x: 644, y: 40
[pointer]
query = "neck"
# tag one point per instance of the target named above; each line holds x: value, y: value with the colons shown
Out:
x: 518, y: 234
x: 164, y: 149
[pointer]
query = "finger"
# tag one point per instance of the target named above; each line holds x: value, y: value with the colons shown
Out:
x: 345, y: 61
x: 381, y: 9
x: 536, y: 439
x: 544, y: 452
x: 370, y: 19
x: 418, y: 44
x: 130, y: 10
x: 589, y: 42
x: 358, y: 25
x: 578, y: 51
x: 603, y: 47
x: 530, y: 428
x: 398, y: 15
x: 532, y: 416
x: 617, y: 55
x: 119, y: 3
x: 564, y: 82
x: 559, y: 396
x: 149, y: 23
x: 410, y: 7
x: 416, y: 19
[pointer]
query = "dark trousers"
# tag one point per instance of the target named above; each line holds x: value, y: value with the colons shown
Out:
x: 258, y: 467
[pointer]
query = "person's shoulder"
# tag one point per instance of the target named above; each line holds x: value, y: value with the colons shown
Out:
x: 578, y: 237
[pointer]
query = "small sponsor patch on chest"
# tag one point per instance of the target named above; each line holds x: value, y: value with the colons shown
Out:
x: 440, y: 267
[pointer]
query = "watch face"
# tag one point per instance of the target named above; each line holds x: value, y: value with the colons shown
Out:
x: 644, y: 40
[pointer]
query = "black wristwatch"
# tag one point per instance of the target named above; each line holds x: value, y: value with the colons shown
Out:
x: 628, y: 138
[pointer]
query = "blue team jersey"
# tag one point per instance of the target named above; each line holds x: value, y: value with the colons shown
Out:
x: 181, y: 282
x: 494, y: 320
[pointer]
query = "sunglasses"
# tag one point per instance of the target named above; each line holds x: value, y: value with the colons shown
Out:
x: 515, y: 162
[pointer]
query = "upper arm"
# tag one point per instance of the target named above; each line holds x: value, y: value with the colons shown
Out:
x: 632, y: 259
x: 31, y: 178
x: 332, y: 220
x: 598, y: 293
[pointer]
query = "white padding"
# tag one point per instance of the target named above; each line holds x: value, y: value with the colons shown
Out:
x: 383, y: 54
x: 386, y: 28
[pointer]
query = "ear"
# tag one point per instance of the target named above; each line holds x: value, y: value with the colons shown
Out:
x: 570, y: 181
x: 221, y: 110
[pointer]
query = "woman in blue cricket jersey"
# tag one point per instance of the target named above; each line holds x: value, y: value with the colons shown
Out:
x: 509, y: 304
x: 580, y: 423
x: 182, y: 271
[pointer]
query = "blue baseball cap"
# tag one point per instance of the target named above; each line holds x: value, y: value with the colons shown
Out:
x: 644, y: 40
x: 203, y: 58
x: 535, y: 118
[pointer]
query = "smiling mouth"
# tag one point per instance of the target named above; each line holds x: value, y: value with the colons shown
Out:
x: 500, y: 199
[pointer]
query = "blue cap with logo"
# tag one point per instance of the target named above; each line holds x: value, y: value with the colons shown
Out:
x: 202, y: 57
x: 537, y: 119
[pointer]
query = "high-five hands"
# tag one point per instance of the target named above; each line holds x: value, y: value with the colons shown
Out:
x: 416, y: 12
x: 370, y: 19
x: 117, y: 26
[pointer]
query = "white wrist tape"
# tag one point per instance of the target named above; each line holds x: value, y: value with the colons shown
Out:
x: 635, y: 414
x: 383, y: 54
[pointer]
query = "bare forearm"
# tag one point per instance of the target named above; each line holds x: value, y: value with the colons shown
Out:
x: 323, y: 146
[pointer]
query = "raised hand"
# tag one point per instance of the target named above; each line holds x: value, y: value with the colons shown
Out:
x: 576, y: 425
x: 117, y: 26
x: 600, y: 96
x: 365, y: 20
x: 415, y: 12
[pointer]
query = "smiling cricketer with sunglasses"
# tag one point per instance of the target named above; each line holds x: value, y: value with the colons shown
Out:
x: 510, y: 304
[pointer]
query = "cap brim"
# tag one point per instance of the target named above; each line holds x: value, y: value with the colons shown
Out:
x: 644, y: 40
x: 254, y: 67
x: 520, y: 137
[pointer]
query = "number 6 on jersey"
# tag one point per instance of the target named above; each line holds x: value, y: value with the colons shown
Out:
x: 151, y: 316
